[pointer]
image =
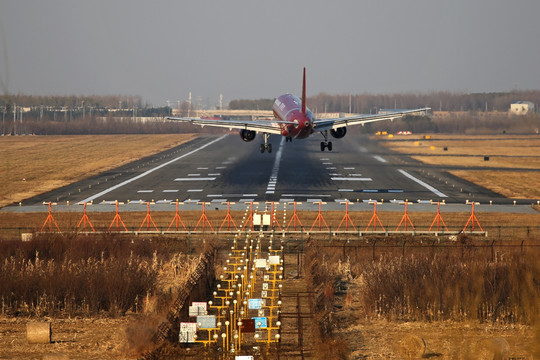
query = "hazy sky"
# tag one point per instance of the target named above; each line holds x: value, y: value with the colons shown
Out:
x: 252, y: 49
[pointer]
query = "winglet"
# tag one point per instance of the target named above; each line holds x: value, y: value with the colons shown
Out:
x: 304, y: 93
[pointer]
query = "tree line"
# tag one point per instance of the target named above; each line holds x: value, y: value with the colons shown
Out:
x: 473, y: 113
x: 74, y: 101
x: 370, y: 103
x: 323, y: 102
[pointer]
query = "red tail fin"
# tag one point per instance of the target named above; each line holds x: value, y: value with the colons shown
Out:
x: 304, y: 93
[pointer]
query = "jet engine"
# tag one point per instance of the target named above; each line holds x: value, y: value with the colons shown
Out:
x: 339, y: 132
x: 247, y: 135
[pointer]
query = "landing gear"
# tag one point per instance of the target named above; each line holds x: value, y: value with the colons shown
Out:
x: 326, y: 144
x: 266, y: 145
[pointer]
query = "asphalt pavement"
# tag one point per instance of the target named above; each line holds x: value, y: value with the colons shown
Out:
x: 216, y: 169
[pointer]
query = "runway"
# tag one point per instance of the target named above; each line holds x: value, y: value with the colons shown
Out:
x: 221, y: 168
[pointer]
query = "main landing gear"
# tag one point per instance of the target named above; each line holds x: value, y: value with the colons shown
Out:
x: 266, y: 145
x: 326, y: 144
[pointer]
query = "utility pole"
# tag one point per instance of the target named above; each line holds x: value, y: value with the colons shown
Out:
x: 189, y: 104
x: 15, y: 119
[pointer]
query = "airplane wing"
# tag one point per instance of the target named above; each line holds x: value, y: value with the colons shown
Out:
x: 328, y: 124
x: 267, y: 126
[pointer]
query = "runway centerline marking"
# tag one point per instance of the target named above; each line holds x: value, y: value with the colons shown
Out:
x: 271, y: 188
x: 418, y: 181
x: 117, y: 186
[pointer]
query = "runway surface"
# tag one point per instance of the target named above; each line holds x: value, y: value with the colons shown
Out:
x: 221, y: 168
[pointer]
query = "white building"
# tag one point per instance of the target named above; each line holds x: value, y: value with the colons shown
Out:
x: 521, y: 108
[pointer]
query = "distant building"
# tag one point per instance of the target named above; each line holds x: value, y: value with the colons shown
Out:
x: 521, y: 108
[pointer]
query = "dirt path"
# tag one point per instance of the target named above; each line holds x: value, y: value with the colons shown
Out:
x: 296, y: 315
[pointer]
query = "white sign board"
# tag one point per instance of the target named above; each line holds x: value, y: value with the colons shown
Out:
x: 260, y: 322
x: 260, y: 263
x: 187, y: 332
x: 255, y: 304
x: 206, y: 321
x: 243, y: 357
x: 256, y: 219
x: 266, y: 219
x: 197, y: 308
x: 274, y: 260
x: 265, y: 286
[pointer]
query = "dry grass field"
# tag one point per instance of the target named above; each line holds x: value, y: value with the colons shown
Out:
x: 506, y: 153
x: 76, y: 283
x: 427, y: 303
x: 30, y: 165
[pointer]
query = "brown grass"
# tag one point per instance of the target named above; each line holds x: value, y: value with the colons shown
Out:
x: 31, y: 165
x: 446, y: 297
x: 59, y: 275
x: 493, y: 145
x: 504, y: 151
x: 507, y: 183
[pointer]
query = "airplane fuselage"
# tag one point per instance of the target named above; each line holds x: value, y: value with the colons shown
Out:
x: 289, y: 108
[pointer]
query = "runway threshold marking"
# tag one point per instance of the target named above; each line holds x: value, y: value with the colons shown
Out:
x: 271, y: 188
x: 418, y: 181
x: 112, y: 188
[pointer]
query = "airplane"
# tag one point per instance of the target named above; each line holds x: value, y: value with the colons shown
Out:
x: 294, y: 120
